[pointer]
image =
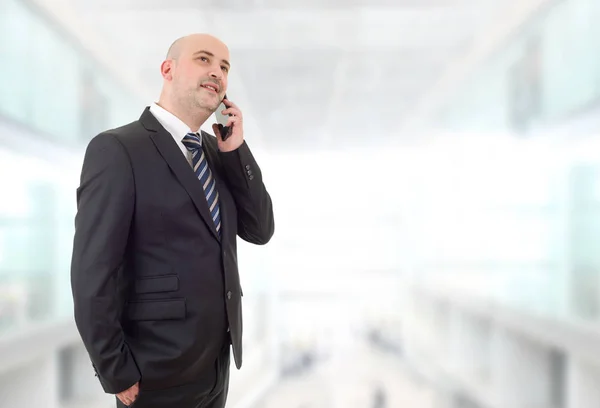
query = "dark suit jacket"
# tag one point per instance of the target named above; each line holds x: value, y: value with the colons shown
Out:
x: 155, y: 289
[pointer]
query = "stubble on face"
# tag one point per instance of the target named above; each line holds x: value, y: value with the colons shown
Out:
x: 196, y: 60
x: 192, y: 97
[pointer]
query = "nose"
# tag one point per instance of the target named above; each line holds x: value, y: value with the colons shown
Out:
x: 216, y: 74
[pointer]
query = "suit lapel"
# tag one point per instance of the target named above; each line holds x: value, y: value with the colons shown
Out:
x: 179, y: 165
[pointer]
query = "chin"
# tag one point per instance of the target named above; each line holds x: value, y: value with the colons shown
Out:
x: 208, y: 105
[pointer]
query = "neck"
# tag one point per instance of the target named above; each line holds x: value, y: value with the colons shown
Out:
x: 192, y: 118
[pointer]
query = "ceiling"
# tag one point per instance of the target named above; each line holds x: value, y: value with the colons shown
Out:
x: 327, y: 71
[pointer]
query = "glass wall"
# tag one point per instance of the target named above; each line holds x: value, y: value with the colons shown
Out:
x: 52, y: 89
x: 541, y: 78
x: 36, y: 231
x: 546, y: 72
x: 584, y: 238
x: 50, y: 84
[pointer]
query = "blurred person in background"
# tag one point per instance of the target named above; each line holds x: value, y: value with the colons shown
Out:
x: 154, y: 270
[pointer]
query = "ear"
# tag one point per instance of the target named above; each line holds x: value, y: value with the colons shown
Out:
x: 166, y: 69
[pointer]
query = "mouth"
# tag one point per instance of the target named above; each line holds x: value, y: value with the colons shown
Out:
x: 211, y: 87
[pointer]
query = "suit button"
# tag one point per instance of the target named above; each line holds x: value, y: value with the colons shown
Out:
x: 229, y: 295
x: 247, y: 167
x: 251, y: 177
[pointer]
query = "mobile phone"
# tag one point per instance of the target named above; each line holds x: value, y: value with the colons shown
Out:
x: 222, y: 121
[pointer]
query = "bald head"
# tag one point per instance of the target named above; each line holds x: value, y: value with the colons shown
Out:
x: 195, y: 74
x: 183, y: 44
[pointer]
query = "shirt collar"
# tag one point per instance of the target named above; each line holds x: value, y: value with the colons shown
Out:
x: 172, y: 123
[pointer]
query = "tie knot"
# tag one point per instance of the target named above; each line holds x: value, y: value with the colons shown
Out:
x: 192, y: 141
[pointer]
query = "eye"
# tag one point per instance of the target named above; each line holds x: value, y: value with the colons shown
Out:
x: 204, y: 59
x: 224, y: 68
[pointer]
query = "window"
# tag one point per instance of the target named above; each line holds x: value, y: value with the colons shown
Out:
x: 33, y: 260
x: 525, y: 79
x: 51, y: 84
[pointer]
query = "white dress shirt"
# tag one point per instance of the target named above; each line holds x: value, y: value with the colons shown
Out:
x: 174, y: 126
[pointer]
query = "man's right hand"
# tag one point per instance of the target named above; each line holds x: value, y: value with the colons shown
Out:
x: 128, y: 396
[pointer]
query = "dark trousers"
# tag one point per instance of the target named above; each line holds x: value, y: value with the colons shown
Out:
x: 193, y: 395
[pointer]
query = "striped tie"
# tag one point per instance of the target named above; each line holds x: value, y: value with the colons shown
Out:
x: 193, y: 143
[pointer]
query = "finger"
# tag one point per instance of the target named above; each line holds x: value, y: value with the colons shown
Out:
x: 229, y: 104
x: 216, y: 130
x: 232, y: 111
x: 233, y: 120
x: 131, y: 395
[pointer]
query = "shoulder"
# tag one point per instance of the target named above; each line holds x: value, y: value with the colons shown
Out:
x: 122, y: 137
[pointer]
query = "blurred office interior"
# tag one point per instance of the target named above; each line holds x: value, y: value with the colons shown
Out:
x: 445, y: 252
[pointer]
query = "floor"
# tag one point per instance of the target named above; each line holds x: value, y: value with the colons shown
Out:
x: 356, y: 376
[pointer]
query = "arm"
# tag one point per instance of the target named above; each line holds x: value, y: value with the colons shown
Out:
x: 255, y: 209
x: 105, y: 200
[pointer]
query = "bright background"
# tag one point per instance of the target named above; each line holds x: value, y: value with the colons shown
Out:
x: 435, y: 171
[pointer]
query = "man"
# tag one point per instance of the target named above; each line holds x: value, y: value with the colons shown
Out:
x: 154, y: 271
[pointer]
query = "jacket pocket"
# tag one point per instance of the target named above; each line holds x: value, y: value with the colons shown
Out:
x: 156, y: 309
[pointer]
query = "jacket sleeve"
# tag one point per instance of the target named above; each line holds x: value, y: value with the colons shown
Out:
x: 255, y: 210
x: 105, y: 201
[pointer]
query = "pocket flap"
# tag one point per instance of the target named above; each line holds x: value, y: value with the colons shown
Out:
x: 156, y: 284
x: 163, y: 309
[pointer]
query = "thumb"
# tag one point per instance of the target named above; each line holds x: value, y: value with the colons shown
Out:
x: 216, y: 130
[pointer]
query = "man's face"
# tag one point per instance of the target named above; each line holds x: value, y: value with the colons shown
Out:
x: 200, y: 74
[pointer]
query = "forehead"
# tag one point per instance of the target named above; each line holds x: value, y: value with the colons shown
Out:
x: 208, y: 45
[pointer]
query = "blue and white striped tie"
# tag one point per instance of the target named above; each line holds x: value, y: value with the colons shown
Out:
x: 193, y: 143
